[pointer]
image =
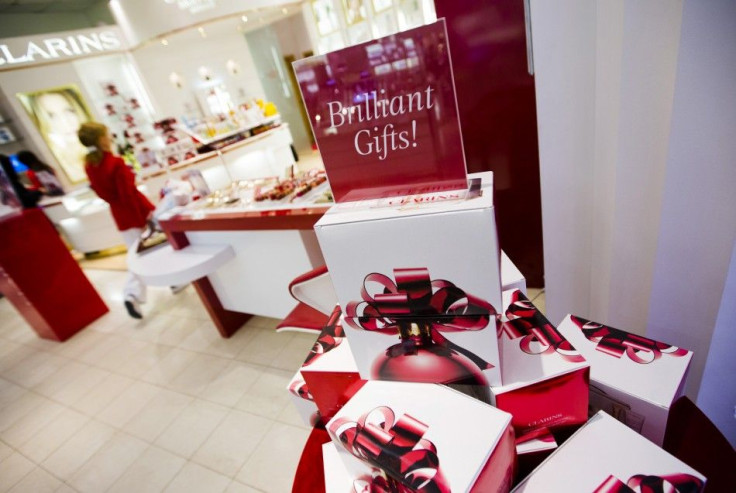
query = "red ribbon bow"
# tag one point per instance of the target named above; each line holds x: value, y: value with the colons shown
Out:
x: 299, y: 388
x: 414, y: 297
x: 378, y: 482
x: 616, y: 342
x: 330, y: 337
x: 396, y: 447
x: 641, y: 483
x: 527, y: 322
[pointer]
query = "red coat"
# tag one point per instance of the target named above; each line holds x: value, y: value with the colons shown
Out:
x: 114, y: 182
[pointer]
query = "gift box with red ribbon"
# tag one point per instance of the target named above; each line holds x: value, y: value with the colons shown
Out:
x: 633, y: 378
x: 419, y: 281
x: 605, y: 456
x: 328, y: 377
x: 545, y: 378
x: 405, y: 431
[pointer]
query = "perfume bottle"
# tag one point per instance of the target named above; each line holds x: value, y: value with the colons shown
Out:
x: 419, y: 358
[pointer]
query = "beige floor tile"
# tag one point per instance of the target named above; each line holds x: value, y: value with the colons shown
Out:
x: 14, y: 356
x: 101, y: 395
x: 295, y: 352
x: 54, y: 434
x: 13, y: 469
x: 202, y: 370
x: 24, y: 428
x: 68, y: 458
x: 231, y: 347
x: 5, y: 451
x: 168, y: 368
x: 232, y: 383
x: 192, y: 427
x: 151, y: 472
x: 266, y: 323
x: 137, y: 358
x: 108, y: 464
x: 178, y: 329
x: 278, y: 452
x: 18, y: 408
x: 129, y: 403
x: 97, y: 352
x: 35, y: 368
x: 157, y: 415
x: 37, y: 481
x: 9, y: 393
x: 237, y: 487
x: 79, y: 343
x: 232, y: 442
x: 72, y: 383
x: 265, y: 347
x: 65, y: 488
x: 267, y: 396
x: 290, y: 416
x: 194, y: 478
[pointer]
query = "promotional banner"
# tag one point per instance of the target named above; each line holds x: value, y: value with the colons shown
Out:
x: 58, y: 113
x: 384, y: 115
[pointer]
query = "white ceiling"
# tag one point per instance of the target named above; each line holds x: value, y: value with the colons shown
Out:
x: 46, y: 6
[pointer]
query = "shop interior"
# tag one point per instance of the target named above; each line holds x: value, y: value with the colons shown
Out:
x: 202, y: 102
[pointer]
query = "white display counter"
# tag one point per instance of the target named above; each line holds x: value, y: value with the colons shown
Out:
x: 85, y: 219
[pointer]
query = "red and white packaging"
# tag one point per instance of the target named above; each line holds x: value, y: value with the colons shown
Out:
x: 426, y: 437
x: 338, y: 479
x: 328, y: 377
x: 633, y: 378
x: 434, y: 263
x: 532, y: 452
x: 605, y: 456
x: 545, y: 378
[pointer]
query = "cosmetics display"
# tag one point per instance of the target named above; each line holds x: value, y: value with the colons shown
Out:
x: 462, y: 386
x: 633, y: 378
x: 309, y: 188
x: 605, y: 456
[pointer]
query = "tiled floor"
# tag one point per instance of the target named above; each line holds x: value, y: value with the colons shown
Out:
x: 162, y: 404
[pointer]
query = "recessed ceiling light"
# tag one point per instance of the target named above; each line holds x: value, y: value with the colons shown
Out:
x: 245, y: 18
x: 284, y: 10
x: 165, y: 42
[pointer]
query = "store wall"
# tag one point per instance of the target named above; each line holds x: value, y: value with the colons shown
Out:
x: 636, y: 114
x: 293, y: 36
x: 185, y: 54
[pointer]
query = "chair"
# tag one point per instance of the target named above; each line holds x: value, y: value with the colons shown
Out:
x: 316, y: 296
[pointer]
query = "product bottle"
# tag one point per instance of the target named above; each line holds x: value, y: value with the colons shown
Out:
x: 419, y: 358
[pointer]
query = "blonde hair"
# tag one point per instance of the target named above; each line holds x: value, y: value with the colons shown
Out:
x: 89, y: 134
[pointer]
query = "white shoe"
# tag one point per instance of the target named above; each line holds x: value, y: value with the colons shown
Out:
x: 133, y: 307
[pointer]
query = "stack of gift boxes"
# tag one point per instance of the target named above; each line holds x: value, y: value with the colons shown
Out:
x: 435, y: 372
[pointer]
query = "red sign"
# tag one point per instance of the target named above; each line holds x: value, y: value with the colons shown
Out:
x: 385, y: 117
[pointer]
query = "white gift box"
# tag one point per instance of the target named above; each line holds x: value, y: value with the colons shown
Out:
x: 394, y: 262
x: 545, y: 378
x: 511, y: 276
x: 633, y: 378
x: 338, y: 479
x: 303, y: 400
x: 328, y: 376
x: 605, y: 456
x: 427, y: 437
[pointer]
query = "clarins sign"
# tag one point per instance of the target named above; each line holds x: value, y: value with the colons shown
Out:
x: 25, y: 51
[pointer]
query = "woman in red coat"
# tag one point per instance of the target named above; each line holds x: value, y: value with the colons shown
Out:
x: 114, y: 182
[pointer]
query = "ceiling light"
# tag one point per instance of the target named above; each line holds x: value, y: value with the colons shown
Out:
x: 165, y: 42
x: 284, y: 10
x: 245, y: 18
x: 201, y: 32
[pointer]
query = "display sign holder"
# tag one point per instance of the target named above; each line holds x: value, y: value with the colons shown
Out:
x: 384, y: 115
